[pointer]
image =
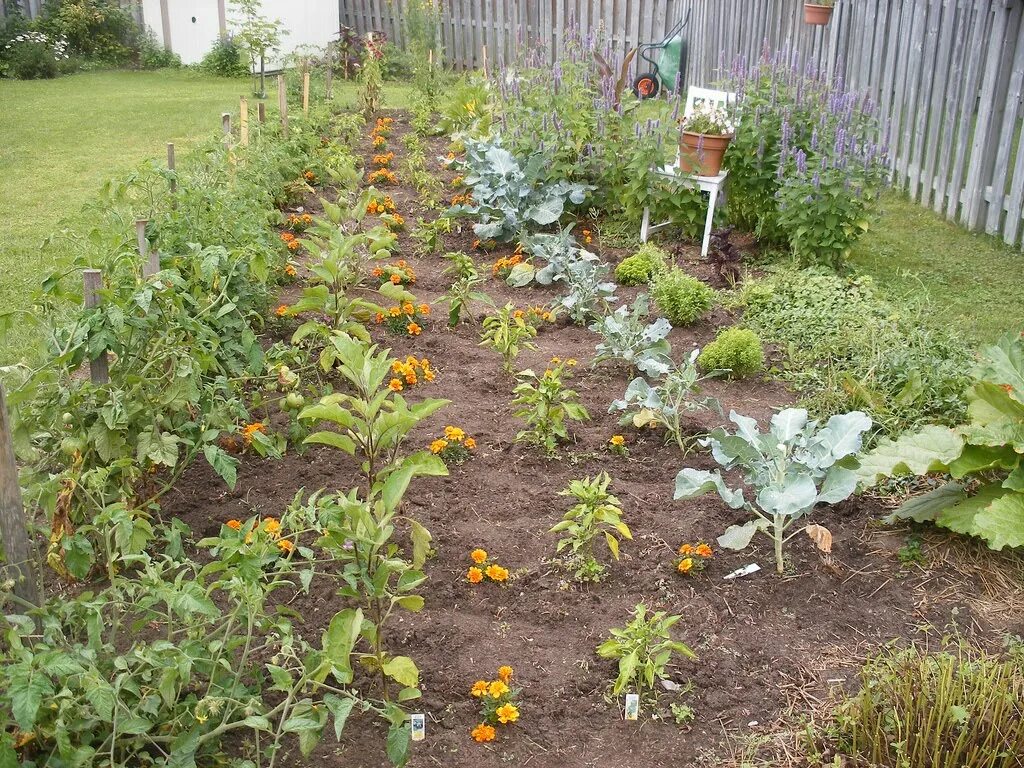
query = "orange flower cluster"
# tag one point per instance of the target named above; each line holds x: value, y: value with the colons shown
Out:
x: 309, y: 176
x: 384, y: 205
x: 587, y: 238
x: 466, y: 199
x: 290, y: 270
x: 405, y: 318
x: 485, y: 568
x: 250, y: 430
x: 409, y: 373
x: 299, y: 223
x: 503, y: 267
x: 498, y: 704
x: 383, y: 126
x: 394, y: 222
x: 379, y: 142
x: 693, y: 558
x: 382, y: 176
x: 289, y: 240
x: 397, y: 274
x: 489, y: 245
x: 383, y: 160
x: 282, y: 310
x: 454, y: 448
x: 271, y: 526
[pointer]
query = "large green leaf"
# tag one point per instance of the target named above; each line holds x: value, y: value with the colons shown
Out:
x: 340, y: 709
x: 402, y: 670
x: 341, y: 636
x: 929, y: 450
x: 1001, y: 523
x: 927, y: 507
x: 334, y: 440
x: 691, y: 483
x: 739, y: 536
x: 418, y: 464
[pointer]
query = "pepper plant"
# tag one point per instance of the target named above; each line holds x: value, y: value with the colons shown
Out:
x: 596, y: 513
x: 545, y: 405
x: 791, y: 468
x: 644, y: 649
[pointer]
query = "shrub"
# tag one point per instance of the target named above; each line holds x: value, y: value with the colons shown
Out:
x: 680, y: 297
x: 94, y: 29
x: 225, y: 59
x: 641, y: 266
x: 152, y: 55
x: 934, y: 710
x: 736, y: 350
x: 31, y: 61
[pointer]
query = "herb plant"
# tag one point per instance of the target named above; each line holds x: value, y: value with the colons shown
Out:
x: 680, y: 297
x: 545, y: 405
x: 642, y: 266
x: 736, y: 351
x: 791, y: 468
x: 644, y: 649
x: 595, y: 513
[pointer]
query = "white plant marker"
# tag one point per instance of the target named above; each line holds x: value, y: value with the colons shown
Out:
x: 746, y: 570
x: 419, y: 727
x: 632, y: 706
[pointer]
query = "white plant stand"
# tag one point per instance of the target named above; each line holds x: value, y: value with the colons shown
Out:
x: 713, y: 185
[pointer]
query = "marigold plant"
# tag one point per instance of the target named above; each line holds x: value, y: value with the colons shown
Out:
x: 288, y: 238
x: 399, y: 273
x: 455, y: 447
x: 383, y: 160
x: 485, y: 567
x: 693, y: 558
x: 499, y: 704
x: 382, y: 176
x: 410, y: 373
x: 299, y: 223
x: 406, y: 319
x: 617, y: 445
x: 380, y: 204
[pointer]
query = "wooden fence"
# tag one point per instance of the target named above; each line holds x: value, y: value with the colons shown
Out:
x: 948, y: 75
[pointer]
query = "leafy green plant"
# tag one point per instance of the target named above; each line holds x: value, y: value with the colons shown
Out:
x: 428, y: 233
x: 371, y: 84
x: 680, y: 297
x: 985, y: 456
x: 509, y: 197
x: 460, y: 296
x: 666, y: 403
x: 934, y: 710
x: 791, y: 468
x: 626, y: 338
x: 644, y: 649
x: 642, y: 266
x: 258, y: 36
x: 589, y: 292
x: 544, y: 403
x: 595, y: 513
x: 737, y: 351
x: 507, y: 332
x: 461, y: 265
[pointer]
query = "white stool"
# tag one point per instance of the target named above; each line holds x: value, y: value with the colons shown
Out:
x: 713, y: 185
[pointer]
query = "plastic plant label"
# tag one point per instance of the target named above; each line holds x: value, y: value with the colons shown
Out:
x: 632, y: 706
x: 744, y: 571
x: 419, y: 727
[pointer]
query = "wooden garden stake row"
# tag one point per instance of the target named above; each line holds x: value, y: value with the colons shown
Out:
x: 19, y: 561
x: 282, y: 104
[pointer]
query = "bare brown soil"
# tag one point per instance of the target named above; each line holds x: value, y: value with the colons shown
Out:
x: 770, y: 647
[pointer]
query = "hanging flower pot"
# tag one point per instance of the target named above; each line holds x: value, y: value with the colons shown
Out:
x: 704, y: 136
x: 817, y: 14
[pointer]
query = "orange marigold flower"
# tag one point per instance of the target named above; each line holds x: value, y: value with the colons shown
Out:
x: 438, y: 445
x: 234, y: 525
x: 429, y: 375
x: 281, y: 310
x: 424, y: 309
x: 497, y: 689
x: 479, y: 689
x: 408, y: 308
x: 379, y: 318
x: 470, y: 443
x: 686, y: 549
x: 294, y: 245
x: 410, y: 378
x: 413, y: 329
x: 475, y: 575
x: 497, y: 573
x: 395, y: 385
x: 704, y: 550
x: 483, y: 732
x: 251, y: 429
x: 272, y: 526
x: 479, y: 556
x: 618, y: 441
x: 685, y: 565
x: 396, y: 279
x: 395, y: 311
x: 289, y: 270
x: 285, y: 546
x: 507, y: 713
x: 505, y: 674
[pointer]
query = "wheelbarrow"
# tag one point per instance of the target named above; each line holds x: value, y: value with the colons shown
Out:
x: 665, y: 61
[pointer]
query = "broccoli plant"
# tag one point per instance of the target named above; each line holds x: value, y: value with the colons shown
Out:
x: 589, y: 292
x: 557, y: 251
x: 627, y: 338
x: 792, y: 467
x: 668, y: 402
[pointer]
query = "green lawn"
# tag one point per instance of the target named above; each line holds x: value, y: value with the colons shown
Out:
x: 975, y: 282
x: 63, y: 138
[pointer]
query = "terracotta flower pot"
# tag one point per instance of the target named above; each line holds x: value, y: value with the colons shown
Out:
x: 701, y: 153
x: 817, y: 14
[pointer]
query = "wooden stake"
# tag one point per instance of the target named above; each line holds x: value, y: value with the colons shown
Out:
x: 225, y: 123
x: 150, y: 259
x: 19, y: 563
x: 92, y: 280
x: 485, y: 60
x: 170, y: 167
x: 282, y: 104
x: 305, y: 93
x: 329, y: 74
x: 243, y: 121
x: 261, y: 112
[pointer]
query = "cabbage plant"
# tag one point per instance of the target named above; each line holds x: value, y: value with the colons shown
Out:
x: 509, y: 197
x: 626, y: 337
x: 790, y: 469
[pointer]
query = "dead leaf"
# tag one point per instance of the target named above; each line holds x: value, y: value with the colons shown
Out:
x: 821, y: 536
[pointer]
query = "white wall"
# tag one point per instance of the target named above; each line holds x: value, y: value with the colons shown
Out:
x: 308, y: 22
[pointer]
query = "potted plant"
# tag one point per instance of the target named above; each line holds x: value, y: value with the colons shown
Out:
x: 818, y: 13
x: 704, y: 136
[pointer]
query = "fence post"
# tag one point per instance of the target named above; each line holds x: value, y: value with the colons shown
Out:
x: 261, y: 112
x: 305, y: 92
x: 329, y: 74
x: 282, y: 104
x: 150, y: 259
x: 92, y: 280
x: 170, y: 167
x: 225, y: 123
x: 19, y: 563
x: 243, y: 121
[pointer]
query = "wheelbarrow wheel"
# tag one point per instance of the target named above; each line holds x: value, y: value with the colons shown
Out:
x: 646, y: 86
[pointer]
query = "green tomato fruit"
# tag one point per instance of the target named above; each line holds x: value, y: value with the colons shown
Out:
x: 294, y: 401
x: 383, y: 253
x: 69, y: 446
x: 67, y: 418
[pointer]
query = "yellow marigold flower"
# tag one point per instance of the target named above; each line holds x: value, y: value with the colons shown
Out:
x: 408, y: 308
x: 479, y: 688
x: 249, y: 431
x: 234, y: 525
x: 479, y: 556
x: 454, y: 433
x: 272, y: 526
x: 685, y: 565
x: 281, y: 310
x: 497, y: 573
x: 686, y: 549
x: 618, y: 441
x: 438, y: 445
x: 410, y: 378
x: 470, y: 443
x: 429, y: 375
x: 507, y: 713
x: 285, y: 546
x: 483, y: 732
x: 395, y: 385
x: 475, y: 575
x: 424, y: 309
x: 497, y: 689
x: 704, y: 550
x: 397, y: 366
x: 572, y: 361
x: 413, y: 329
x: 505, y: 674
x: 556, y: 360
